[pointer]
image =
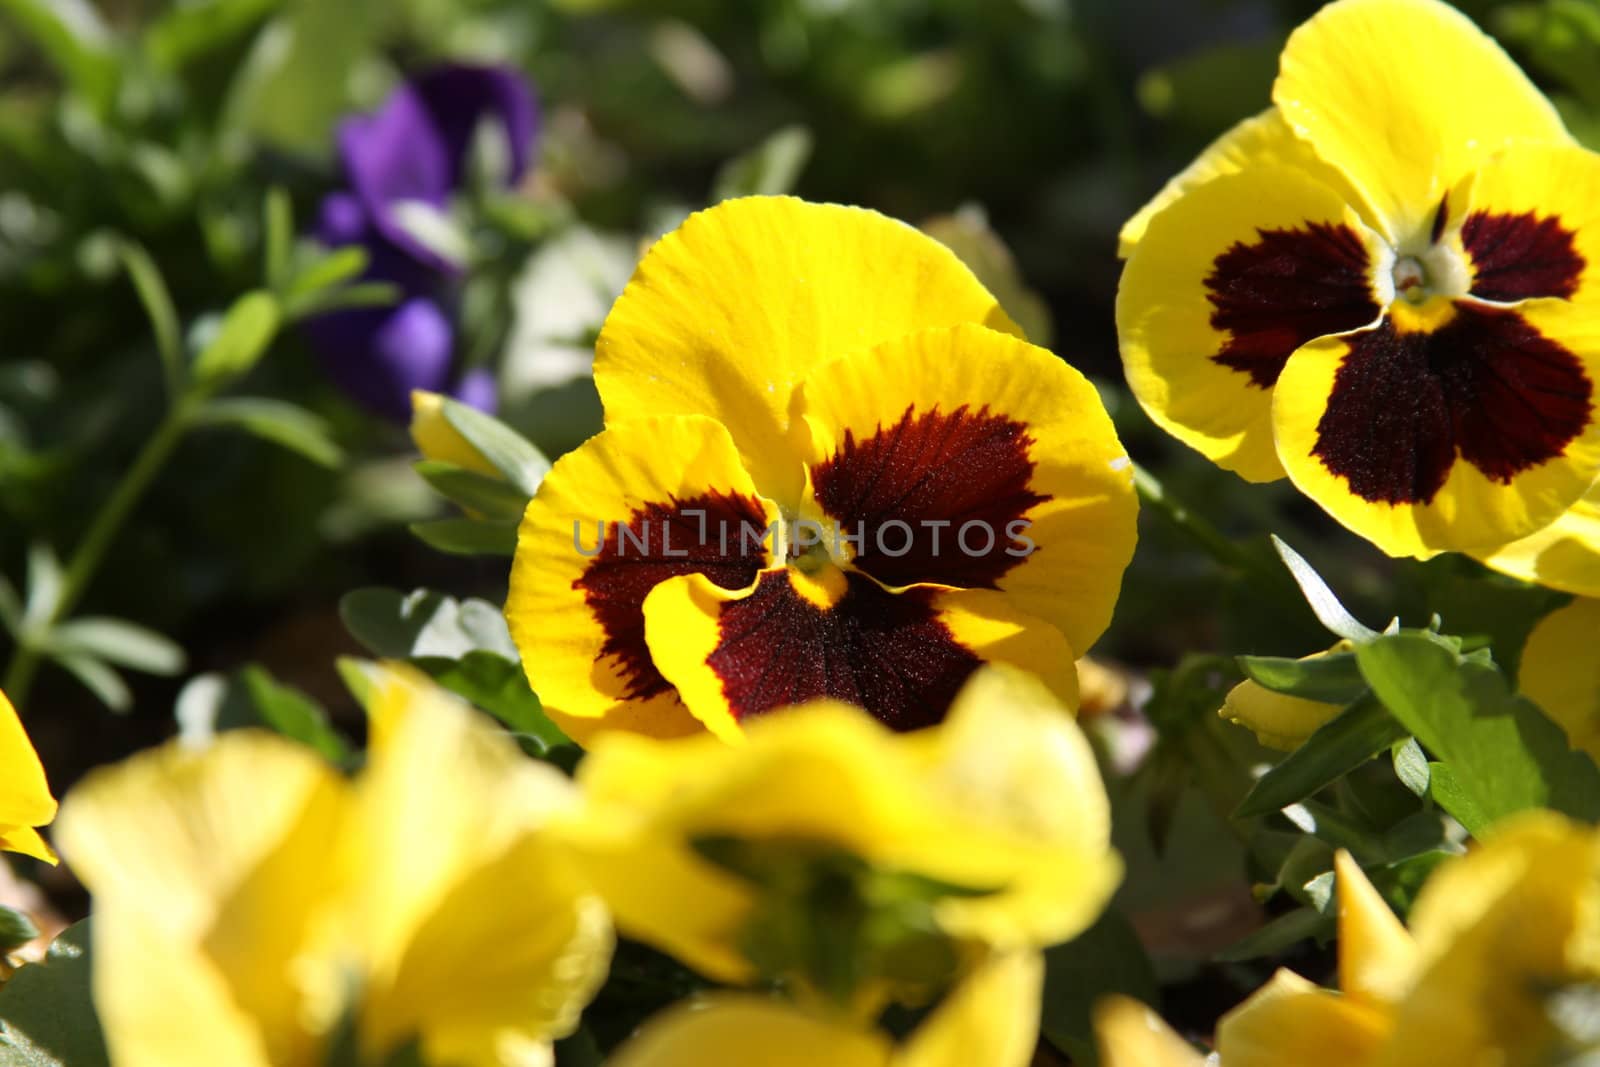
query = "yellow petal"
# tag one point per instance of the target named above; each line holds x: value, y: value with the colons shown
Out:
x: 1403, y: 454
x: 25, y: 798
x: 728, y: 313
x: 1278, y: 720
x: 1564, y: 555
x: 1003, y: 444
x: 1377, y: 958
x: 1406, y: 97
x: 674, y: 500
x: 218, y: 863
x: 446, y: 957
x: 1291, y: 1021
x: 1560, y: 672
x: 26, y: 840
x: 1130, y: 1034
x: 740, y: 1029
x: 991, y: 1017
x: 1497, y: 929
x: 1261, y: 140
x: 436, y: 439
x: 1225, y: 284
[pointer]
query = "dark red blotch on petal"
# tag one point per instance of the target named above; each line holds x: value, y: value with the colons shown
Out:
x: 886, y: 652
x: 1486, y: 386
x: 935, y: 472
x: 623, y: 572
x: 1288, y: 287
x: 1521, y: 256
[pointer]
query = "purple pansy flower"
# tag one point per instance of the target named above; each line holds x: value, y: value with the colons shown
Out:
x: 410, y: 157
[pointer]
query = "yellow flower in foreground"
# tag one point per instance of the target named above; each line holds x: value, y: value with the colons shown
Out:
x: 1564, y: 555
x: 1131, y: 1034
x: 436, y: 439
x: 1561, y: 673
x: 829, y: 469
x: 248, y: 901
x: 1384, y: 287
x: 991, y: 1019
x: 1499, y: 937
x: 998, y: 817
x: 25, y: 800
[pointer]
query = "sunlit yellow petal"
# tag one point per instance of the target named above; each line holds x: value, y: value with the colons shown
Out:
x: 1401, y: 447
x: 25, y: 799
x: 26, y: 840
x: 1377, y: 958
x: 436, y: 439
x: 1564, y: 555
x: 994, y: 440
x: 1291, y: 1021
x: 728, y: 313
x: 1406, y: 97
x: 672, y: 495
x: 1278, y: 720
x: 1561, y: 673
x: 1259, y: 141
x: 1225, y: 284
x: 1130, y: 1034
x: 740, y: 1029
x: 991, y: 1018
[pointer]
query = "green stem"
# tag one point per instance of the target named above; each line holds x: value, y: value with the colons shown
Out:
x: 1207, y: 536
x: 96, y: 540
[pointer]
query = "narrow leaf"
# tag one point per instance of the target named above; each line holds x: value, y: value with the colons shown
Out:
x: 508, y: 451
x: 246, y: 331
x: 98, y: 678
x: 1324, y: 604
x: 1332, y: 679
x: 487, y: 496
x: 158, y: 307
x: 121, y: 642
x: 1355, y: 735
x: 469, y: 537
x: 282, y: 423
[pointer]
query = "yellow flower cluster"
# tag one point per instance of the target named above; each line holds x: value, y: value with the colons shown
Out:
x: 1501, y: 965
x: 252, y: 906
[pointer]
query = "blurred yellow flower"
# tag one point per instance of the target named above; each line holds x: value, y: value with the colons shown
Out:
x: 990, y: 1019
x: 436, y: 439
x: 25, y: 800
x: 994, y: 823
x: 1130, y: 1034
x: 1502, y: 954
x: 1561, y: 673
x: 250, y: 903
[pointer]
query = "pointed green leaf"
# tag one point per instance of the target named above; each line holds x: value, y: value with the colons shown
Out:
x: 506, y: 450
x: 287, y: 425
x: 1339, y: 746
x: 469, y: 537
x: 1332, y: 679
x: 158, y: 307
x: 47, y: 1016
x: 490, y: 497
x: 245, y: 333
x: 121, y: 642
x: 1324, y: 604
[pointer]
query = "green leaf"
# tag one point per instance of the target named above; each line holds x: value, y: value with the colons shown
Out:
x: 1498, y: 752
x: 118, y: 641
x: 186, y: 32
x: 292, y: 714
x: 282, y: 423
x: 1280, y: 935
x: 71, y: 34
x: 469, y: 537
x: 47, y: 1016
x: 158, y: 307
x: 243, y: 337
x: 16, y: 930
x: 1106, y: 958
x: 97, y: 677
x: 1332, y: 679
x: 506, y: 450
x: 323, y: 271
x: 488, y: 496
x: 45, y: 581
x: 769, y: 169
x: 1411, y: 766
x: 1324, y: 604
x: 1355, y: 735
x: 347, y: 297
x: 395, y: 625
x: 498, y: 686
x: 277, y: 226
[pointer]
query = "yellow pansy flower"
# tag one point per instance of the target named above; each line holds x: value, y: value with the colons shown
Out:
x: 248, y: 900
x: 436, y: 439
x: 999, y: 813
x: 1496, y: 938
x: 1130, y: 1034
x: 1561, y: 673
x: 830, y: 468
x: 1384, y: 287
x: 1279, y: 720
x: 991, y: 1018
x: 25, y: 800
x: 1564, y: 555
